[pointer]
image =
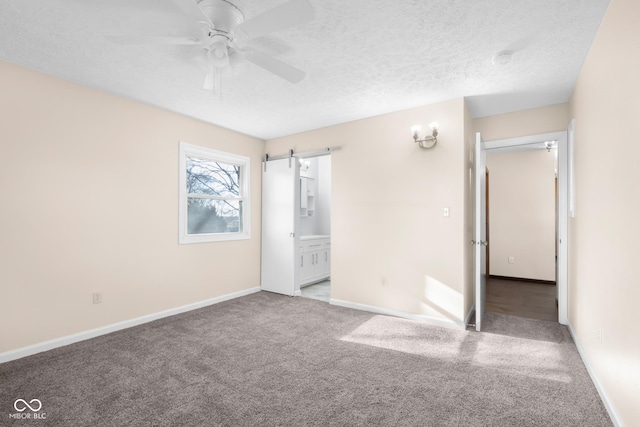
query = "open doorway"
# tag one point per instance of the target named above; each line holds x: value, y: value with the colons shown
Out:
x: 296, y: 238
x: 315, y: 228
x: 522, y: 231
x: 556, y: 140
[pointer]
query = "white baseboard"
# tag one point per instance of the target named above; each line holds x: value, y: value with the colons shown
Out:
x: 608, y: 404
x: 403, y: 314
x: 92, y: 333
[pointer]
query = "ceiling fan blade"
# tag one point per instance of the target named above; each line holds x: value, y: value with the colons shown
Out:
x: 294, y: 12
x: 191, y: 8
x: 273, y: 65
x: 168, y: 40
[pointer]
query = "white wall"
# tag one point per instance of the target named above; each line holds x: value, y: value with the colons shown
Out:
x: 522, y: 214
x: 604, y: 288
x: 89, y: 189
x: 324, y: 195
x: 391, y: 245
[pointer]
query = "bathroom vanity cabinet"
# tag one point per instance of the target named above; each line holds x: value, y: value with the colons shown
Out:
x: 315, y: 258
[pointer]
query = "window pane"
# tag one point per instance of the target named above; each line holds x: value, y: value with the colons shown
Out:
x: 212, y: 178
x: 214, y: 216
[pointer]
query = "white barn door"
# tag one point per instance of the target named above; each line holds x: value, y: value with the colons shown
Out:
x: 280, y: 193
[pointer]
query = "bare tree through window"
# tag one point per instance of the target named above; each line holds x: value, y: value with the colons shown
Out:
x: 213, y: 196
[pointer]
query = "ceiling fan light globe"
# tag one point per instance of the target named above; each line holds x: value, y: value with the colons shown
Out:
x: 218, y: 57
x: 219, y: 52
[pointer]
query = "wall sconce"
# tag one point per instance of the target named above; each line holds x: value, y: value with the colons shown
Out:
x: 429, y: 141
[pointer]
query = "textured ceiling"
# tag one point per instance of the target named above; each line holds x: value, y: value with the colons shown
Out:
x: 362, y: 57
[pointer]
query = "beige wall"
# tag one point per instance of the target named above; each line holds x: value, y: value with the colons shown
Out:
x: 391, y: 246
x: 604, y: 285
x: 522, y: 220
x: 89, y: 190
x: 553, y: 118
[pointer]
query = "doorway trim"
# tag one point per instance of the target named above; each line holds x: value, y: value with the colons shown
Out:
x: 533, y: 142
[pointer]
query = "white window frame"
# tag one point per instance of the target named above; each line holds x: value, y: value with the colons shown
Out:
x: 187, y: 151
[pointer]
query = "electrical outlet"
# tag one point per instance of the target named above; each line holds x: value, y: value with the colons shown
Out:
x: 445, y: 212
x: 97, y: 297
x: 511, y: 259
x: 599, y: 334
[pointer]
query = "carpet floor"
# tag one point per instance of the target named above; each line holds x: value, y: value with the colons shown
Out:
x: 271, y: 360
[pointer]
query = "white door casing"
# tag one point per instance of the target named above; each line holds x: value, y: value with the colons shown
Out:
x: 522, y: 144
x: 480, y: 231
x: 563, y: 229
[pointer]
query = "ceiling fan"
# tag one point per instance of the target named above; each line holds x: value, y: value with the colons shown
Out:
x: 222, y: 32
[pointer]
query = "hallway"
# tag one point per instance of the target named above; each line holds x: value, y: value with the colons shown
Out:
x: 524, y: 299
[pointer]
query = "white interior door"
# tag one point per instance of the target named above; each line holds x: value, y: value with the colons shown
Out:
x: 480, y: 239
x: 279, y: 224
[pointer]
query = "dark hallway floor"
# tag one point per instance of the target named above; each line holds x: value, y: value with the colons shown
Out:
x: 524, y: 299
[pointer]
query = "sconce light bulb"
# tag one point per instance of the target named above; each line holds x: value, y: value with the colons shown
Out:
x: 415, y: 131
x: 433, y: 125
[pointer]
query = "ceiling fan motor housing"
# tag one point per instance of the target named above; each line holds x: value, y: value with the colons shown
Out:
x: 224, y: 15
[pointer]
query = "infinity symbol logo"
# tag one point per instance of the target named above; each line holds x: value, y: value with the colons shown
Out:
x: 26, y: 405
